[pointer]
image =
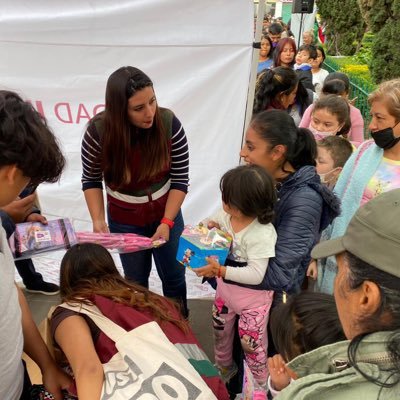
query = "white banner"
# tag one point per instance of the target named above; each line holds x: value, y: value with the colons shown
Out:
x: 60, y: 54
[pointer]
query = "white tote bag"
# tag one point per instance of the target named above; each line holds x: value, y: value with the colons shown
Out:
x: 147, y: 366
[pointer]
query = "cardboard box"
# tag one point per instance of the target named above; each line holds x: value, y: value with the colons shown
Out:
x: 197, y: 243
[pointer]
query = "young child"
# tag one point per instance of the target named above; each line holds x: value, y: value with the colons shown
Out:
x: 318, y: 74
x: 333, y: 152
x: 334, y: 86
x: 330, y: 116
x: 338, y: 83
x: 306, y: 55
x: 305, y: 322
x: 248, y: 199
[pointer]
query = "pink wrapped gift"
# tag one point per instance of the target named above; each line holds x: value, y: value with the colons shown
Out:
x: 121, y: 242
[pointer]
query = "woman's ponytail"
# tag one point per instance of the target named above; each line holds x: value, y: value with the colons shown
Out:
x: 304, y: 151
x: 264, y: 87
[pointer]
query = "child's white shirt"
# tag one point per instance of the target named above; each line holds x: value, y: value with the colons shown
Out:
x: 254, y: 244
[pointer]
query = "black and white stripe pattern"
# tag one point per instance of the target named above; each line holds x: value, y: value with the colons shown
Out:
x: 179, y: 157
x: 92, y: 176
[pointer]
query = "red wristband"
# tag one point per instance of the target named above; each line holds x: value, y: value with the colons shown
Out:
x: 219, y: 272
x: 168, y: 222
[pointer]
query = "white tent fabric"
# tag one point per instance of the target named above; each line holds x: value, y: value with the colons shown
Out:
x: 60, y: 54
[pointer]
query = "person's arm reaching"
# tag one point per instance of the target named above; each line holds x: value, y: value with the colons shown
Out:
x: 297, y: 230
x: 95, y: 203
x: 252, y: 274
x: 19, y: 209
x: 179, y: 177
x: 54, y: 378
x: 92, y: 178
x: 74, y: 338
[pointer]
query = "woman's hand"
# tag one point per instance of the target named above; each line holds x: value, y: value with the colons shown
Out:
x: 100, y: 226
x: 162, y: 232
x: 210, y: 270
x: 279, y: 373
x: 312, y: 270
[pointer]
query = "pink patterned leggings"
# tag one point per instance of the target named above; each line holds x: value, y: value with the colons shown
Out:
x: 253, y: 307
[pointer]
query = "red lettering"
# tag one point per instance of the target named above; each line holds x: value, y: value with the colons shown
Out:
x: 67, y: 111
x: 98, y: 108
x: 82, y: 113
x: 39, y: 107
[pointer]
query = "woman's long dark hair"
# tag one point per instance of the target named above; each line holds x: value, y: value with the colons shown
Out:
x: 120, y: 135
x: 270, y: 84
x: 279, y: 48
x: 277, y: 127
x: 386, y: 317
x: 271, y: 49
x: 303, y: 99
x: 88, y: 269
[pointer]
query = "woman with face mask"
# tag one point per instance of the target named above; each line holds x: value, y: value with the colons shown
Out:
x: 372, y: 170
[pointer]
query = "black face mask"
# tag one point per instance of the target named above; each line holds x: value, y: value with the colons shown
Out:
x: 385, y: 138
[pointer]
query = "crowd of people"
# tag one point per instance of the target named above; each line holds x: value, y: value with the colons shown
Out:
x: 311, y: 285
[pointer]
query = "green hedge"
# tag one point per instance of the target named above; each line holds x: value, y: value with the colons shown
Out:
x: 361, y: 84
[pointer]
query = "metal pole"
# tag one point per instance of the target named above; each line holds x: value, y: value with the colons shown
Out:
x: 301, y: 26
x: 254, y: 64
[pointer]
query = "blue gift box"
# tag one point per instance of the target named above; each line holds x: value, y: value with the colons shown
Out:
x: 197, y: 243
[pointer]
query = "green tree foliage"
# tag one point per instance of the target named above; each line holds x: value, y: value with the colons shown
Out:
x: 383, y: 19
x: 385, y: 63
x: 375, y: 13
x: 344, y: 25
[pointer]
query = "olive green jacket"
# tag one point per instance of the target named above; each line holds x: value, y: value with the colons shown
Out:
x: 325, y: 373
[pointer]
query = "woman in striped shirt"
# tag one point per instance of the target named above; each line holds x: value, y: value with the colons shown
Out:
x: 140, y: 151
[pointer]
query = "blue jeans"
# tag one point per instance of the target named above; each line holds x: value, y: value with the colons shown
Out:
x: 137, y: 266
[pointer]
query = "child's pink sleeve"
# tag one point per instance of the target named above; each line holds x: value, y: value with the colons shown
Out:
x: 356, y: 133
x: 305, y: 121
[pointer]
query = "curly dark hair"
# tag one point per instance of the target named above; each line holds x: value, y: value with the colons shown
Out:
x: 26, y: 140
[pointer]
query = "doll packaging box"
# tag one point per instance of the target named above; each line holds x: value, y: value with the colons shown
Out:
x: 33, y: 238
x: 198, y: 242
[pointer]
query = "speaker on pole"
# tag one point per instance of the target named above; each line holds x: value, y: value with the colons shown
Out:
x: 302, y: 6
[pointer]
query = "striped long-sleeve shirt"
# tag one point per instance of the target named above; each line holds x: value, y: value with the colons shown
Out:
x: 92, y: 176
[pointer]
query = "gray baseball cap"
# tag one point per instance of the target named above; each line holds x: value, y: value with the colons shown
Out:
x: 373, y: 235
